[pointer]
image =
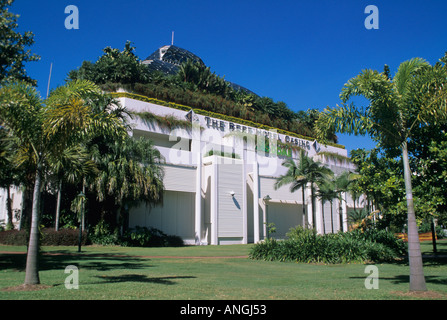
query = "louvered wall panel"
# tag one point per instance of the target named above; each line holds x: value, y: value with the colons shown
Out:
x: 230, y: 219
x: 180, y: 178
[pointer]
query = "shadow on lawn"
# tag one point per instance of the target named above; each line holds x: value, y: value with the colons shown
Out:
x: 60, y: 260
x: 99, y: 262
x: 399, y: 279
x: 141, y: 278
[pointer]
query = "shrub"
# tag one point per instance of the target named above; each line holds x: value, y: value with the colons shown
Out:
x: 149, y: 237
x: 48, y: 237
x: 103, y: 234
x: 14, y: 237
x: 63, y: 237
x: 304, y: 245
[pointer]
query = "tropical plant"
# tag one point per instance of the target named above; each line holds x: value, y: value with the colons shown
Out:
x: 13, y: 51
x: 71, y: 165
x: 343, y: 183
x: 326, y: 192
x: 114, y: 66
x: 196, y: 86
x: 42, y: 130
x: 394, y: 110
x: 304, y: 245
x: 129, y: 172
x: 333, y: 188
x: 300, y: 174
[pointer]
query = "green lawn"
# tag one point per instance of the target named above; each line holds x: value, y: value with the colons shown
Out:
x: 215, y: 273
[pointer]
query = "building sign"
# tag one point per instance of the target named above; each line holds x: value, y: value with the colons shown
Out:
x: 282, y: 150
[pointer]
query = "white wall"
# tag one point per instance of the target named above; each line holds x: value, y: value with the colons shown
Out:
x: 179, y: 178
x: 284, y: 216
x: 174, y: 217
x: 230, y: 217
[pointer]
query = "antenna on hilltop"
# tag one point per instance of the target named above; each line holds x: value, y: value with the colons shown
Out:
x: 49, y: 79
x: 172, y: 40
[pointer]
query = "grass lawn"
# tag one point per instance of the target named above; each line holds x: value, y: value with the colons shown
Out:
x: 207, y: 273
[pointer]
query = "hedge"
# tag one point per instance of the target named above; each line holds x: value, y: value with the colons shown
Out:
x: 48, y: 237
x: 306, y: 246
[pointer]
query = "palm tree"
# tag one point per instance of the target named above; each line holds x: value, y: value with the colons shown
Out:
x: 396, y: 106
x: 342, y: 184
x: 42, y: 130
x: 333, y: 188
x: 300, y: 174
x: 71, y: 165
x: 327, y: 192
x: 357, y: 217
x: 128, y: 172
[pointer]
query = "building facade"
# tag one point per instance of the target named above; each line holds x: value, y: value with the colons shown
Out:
x: 219, y: 178
x: 220, y: 175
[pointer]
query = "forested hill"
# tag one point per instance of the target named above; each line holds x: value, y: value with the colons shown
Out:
x: 176, y: 75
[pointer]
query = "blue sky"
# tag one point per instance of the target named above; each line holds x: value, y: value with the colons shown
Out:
x: 299, y: 52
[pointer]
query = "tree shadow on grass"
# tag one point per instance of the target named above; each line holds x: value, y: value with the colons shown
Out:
x: 59, y: 261
x: 169, y: 280
x: 400, y: 279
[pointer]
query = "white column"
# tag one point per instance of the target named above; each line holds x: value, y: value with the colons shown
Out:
x: 198, y: 204
x: 318, y: 216
x: 345, y: 212
x: 214, y: 193
x: 3, y: 214
x: 244, y: 202
x: 256, y: 201
x: 309, y: 206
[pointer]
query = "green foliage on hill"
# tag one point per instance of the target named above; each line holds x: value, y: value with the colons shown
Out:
x: 196, y: 86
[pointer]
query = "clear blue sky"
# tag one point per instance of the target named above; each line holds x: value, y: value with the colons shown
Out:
x: 299, y: 52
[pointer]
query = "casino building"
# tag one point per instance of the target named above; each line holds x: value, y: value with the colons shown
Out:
x: 220, y: 174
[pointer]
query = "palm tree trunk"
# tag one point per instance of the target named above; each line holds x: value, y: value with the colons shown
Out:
x: 340, y: 212
x: 58, y: 206
x: 313, y: 207
x: 322, y: 211
x: 81, y: 217
x: 304, y: 208
x: 22, y: 209
x: 417, y: 279
x: 32, y: 270
x: 332, y: 218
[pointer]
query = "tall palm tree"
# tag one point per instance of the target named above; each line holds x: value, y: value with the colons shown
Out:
x: 327, y: 192
x: 42, y: 129
x: 395, y: 107
x: 342, y: 184
x: 301, y: 173
x: 71, y: 165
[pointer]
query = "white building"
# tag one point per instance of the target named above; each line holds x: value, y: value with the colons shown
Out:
x: 215, y: 199
x: 15, y: 194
